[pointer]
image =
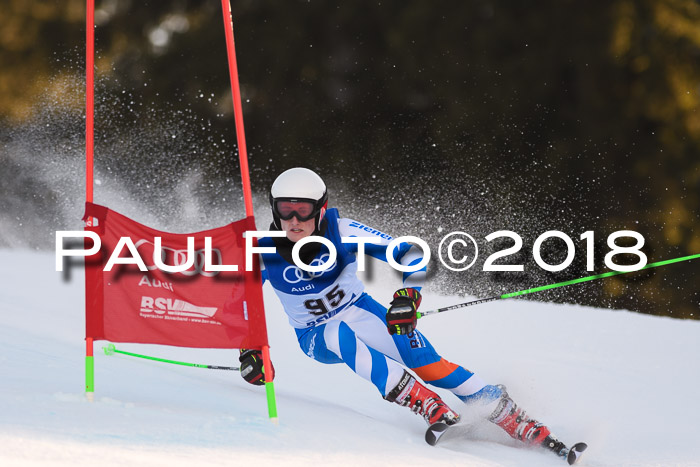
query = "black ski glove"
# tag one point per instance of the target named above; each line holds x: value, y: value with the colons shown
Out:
x: 252, y: 367
x: 401, y: 316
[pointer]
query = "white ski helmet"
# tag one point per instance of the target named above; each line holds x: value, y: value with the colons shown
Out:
x: 299, y: 193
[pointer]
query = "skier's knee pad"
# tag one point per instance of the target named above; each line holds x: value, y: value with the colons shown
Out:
x: 435, y: 371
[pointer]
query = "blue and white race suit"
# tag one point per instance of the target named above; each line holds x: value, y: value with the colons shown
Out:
x: 337, y: 322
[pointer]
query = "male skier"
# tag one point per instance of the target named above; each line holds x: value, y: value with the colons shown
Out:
x: 337, y: 322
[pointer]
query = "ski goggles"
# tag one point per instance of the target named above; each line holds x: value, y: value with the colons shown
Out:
x: 302, y: 209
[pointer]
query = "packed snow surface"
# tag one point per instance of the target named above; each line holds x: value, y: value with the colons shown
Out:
x: 625, y: 383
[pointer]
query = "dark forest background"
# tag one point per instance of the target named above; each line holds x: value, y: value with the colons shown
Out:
x: 423, y: 117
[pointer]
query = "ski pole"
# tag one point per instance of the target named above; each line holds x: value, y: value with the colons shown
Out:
x: 421, y: 314
x: 111, y: 350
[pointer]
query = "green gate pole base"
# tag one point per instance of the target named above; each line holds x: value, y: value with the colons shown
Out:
x: 271, y: 402
x: 90, y: 378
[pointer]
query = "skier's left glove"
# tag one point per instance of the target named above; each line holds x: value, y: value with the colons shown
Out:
x: 401, y: 316
x: 252, y: 367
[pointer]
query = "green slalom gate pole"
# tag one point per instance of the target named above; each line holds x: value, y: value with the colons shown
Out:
x: 111, y: 350
x: 554, y: 286
x: 271, y: 401
x: 89, y: 371
x: 269, y: 385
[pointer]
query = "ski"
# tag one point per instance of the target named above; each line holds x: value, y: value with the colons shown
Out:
x: 440, y: 431
x: 575, y: 453
x: 435, y: 432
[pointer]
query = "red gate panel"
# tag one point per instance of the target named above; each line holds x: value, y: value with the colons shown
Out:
x: 193, y: 308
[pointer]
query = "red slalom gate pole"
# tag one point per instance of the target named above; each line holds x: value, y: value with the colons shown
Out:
x: 245, y: 177
x: 89, y: 161
x: 237, y: 108
x: 89, y: 97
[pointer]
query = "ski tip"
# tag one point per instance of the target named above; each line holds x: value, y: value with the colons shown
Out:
x: 435, y: 432
x: 575, y: 453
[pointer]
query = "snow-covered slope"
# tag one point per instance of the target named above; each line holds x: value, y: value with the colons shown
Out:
x: 625, y: 383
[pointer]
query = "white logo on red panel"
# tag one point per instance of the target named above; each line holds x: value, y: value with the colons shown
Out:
x: 175, y: 307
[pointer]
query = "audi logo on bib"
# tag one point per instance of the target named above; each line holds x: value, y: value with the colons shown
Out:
x: 173, y: 257
x: 294, y: 275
